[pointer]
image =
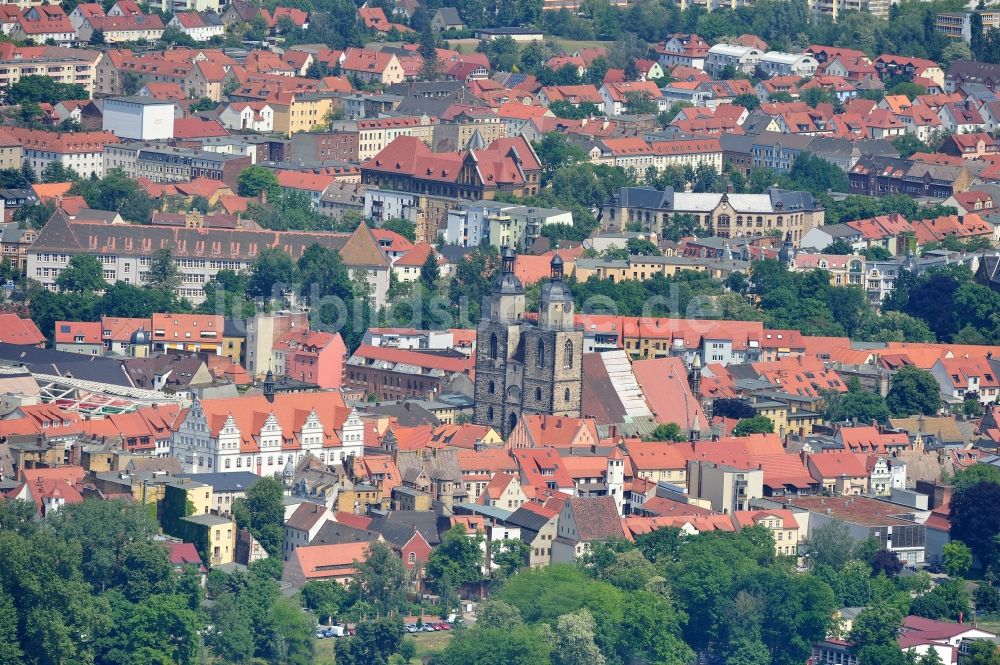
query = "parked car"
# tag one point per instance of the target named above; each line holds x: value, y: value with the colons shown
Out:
x: 935, y: 568
x: 445, y: 626
x: 320, y: 634
x: 411, y: 628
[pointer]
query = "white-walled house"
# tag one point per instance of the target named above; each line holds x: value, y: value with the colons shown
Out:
x: 198, y: 26
x: 253, y: 116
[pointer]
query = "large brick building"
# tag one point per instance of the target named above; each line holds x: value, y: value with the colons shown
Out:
x: 408, y: 165
x: 524, y: 367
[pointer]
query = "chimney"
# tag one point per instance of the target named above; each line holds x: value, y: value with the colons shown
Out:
x: 263, y: 196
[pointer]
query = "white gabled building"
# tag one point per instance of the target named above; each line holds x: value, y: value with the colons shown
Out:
x: 740, y: 58
x: 267, y: 436
x: 198, y: 26
x: 776, y: 63
x: 253, y: 116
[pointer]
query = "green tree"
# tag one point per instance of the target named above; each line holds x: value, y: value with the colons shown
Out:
x: 666, y: 432
x: 575, y: 640
x: 972, y: 525
x: 913, y: 391
x: 947, y: 601
x: 272, y: 268
x: 233, y: 636
x: 747, y: 100
x: 145, y: 571
x: 40, y: 89
x: 975, y: 474
x: 509, y: 555
x: 382, y: 580
x: 458, y: 559
x: 374, y: 642
x: 907, y: 144
x: 877, y: 625
x: 830, y: 545
x: 325, y: 599
x: 521, y: 645
x: 754, y: 425
x: 54, y: 171
x: 555, y: 151
x: 894, y: 327
x: 856, y: 404
x: 651, y: 631
x: 957, y: 558
x: 256, y: 179
x: 116, y: 192
x: 987, y: 599
x: 403, y: 227
x: 430, y: 273
x: 291, y: 634
x: 262, y: 512
x: 495, y: 613
x: 83, y: 274
x: 10, y: 647
x: 982, y: 652
x: 163, y: 274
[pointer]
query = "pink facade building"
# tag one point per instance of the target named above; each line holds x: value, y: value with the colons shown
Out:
x: 310, y: 356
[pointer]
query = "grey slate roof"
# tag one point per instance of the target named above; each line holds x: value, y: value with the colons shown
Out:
x: 450, y: 16
x: 238, y: 481
x: 397, y: 526
x: 62, y: 363
x: 334, y: 533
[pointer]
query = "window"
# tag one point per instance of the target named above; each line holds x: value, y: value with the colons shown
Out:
x: 493, y: 346
x: 568, y: 354
x: 566, y: 395
x: 540, y: 360
x: 492, y: 388
x: 412, y: 557
x: 538, y: 394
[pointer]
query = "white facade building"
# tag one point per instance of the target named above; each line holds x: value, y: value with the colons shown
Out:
x: 139, y: 118
x: 776, y: 63
x: 741, y: 58
x: 265, y: 437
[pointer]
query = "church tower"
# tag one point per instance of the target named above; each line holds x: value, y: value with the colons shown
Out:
x: 553, y: 351
x: 498, y: 338
x: 526, y: 368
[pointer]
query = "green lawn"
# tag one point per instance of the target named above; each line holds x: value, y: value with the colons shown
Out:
x: 428, y: 644
x: 570, y: 45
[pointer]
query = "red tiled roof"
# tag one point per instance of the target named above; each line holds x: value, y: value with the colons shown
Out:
x: 15, y: 330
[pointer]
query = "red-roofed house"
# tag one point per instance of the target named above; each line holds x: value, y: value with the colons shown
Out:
x: 503, y: 491
x: 198, y: 128
x: 964, y: 227
x: 782, y: 524
x: 51, y: 489
x: 840, y: 473
x: 23, y: 332
x: 326, y: 563
x: 79, y: 337
x: 965, y: 377
x: 42, y: 23
x: 373, y: 66
x: 540, y: 430
x: 616, y: 95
